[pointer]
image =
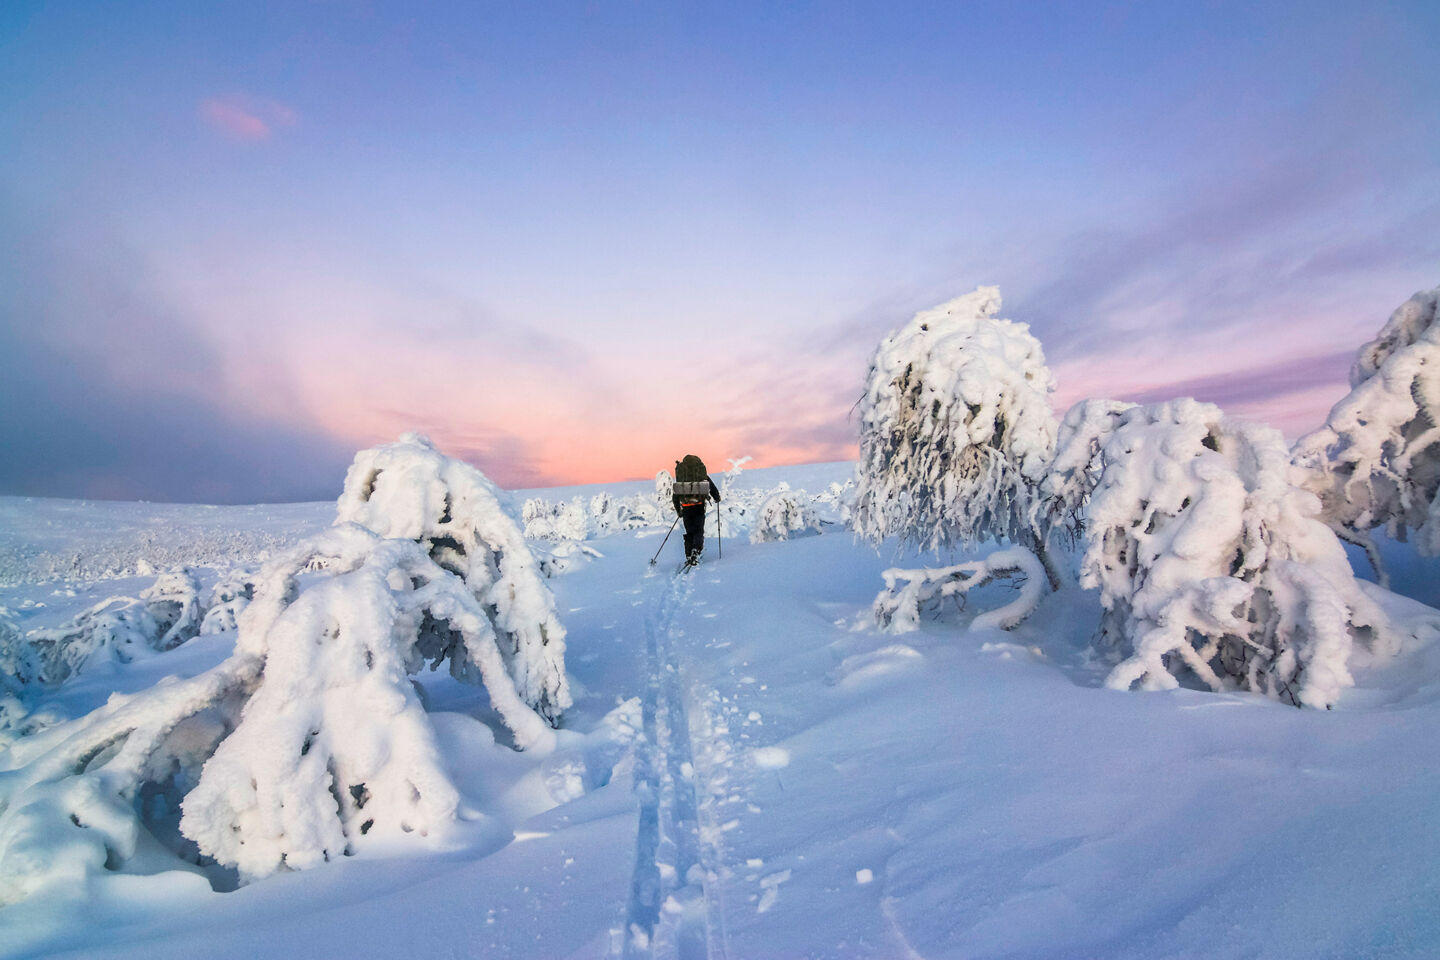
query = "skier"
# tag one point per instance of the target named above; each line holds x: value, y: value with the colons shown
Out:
x: 693, y: 487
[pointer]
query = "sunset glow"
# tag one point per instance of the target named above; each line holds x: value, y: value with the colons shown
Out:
x: 572, y: 244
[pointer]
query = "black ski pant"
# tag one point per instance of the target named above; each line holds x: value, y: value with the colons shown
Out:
x: 694, y: 517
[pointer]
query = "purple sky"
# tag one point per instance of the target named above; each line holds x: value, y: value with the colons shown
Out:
x: 575, y: 241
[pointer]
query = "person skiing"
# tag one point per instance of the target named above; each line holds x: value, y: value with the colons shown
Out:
x: 693, y: 487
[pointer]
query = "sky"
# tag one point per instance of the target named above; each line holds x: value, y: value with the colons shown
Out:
x: 574, y: 241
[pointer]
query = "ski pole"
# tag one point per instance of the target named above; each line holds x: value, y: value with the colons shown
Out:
x: 665, y: 541
x: 719, y: 535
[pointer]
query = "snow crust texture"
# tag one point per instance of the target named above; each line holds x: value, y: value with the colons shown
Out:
x: 956, y: 430
x: 1375, y: 463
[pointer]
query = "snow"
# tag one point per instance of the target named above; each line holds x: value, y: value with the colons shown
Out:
x: 750, y: 768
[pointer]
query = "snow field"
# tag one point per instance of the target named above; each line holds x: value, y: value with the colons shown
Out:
x: 751, y: 769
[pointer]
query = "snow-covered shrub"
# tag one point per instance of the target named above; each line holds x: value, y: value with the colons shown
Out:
x: 410, y: 490
x: 174, y: 601
x: 554, y: 521
x: 1376, y: 461
x: 308, y: 740
x: 166, y: 614
x: 785, y: 514
x: 956, y: 430
x: 1210, y: 562
x: 728, y: 478
x: 664, y: 489
x: 230, y: 595
x: 609, y: 514
x: 838, y: 498
x: 897, y: 608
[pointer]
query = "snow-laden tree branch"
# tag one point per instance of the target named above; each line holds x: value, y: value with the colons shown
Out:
x: 956, y: 430
x: 898, y: 607
x: 1376, y: 461
x: 1209, y: 561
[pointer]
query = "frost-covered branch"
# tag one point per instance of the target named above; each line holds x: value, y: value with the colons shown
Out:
x: 165, y: 615
x: 897, y: 608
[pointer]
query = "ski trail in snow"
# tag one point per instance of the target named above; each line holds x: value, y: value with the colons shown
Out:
x: 669, y: 911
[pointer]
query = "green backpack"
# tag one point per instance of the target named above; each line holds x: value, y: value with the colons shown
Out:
x: 691, y: 479
x: 691, y: 469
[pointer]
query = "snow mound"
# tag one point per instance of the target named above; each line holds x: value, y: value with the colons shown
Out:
x: 864, y: 667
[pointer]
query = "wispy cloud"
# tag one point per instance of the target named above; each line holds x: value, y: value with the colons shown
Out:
x: 245, y: 118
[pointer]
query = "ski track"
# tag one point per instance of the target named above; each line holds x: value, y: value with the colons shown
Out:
x: 675, y: 911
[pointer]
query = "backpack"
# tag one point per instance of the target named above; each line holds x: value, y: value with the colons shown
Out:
x: 691, y: 478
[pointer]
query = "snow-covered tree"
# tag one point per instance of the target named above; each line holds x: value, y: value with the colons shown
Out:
x: 311, y: 739
x: 174, y: 601
x: 956, y: 430
x: 1376, y: 461
x: 410, y: 490
x: 785, y: 514
x: 230, y: 595
x: 1210, y: 562
x: 664, y: 488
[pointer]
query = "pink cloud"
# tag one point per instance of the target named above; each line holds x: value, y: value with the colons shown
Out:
x: 247, y: 119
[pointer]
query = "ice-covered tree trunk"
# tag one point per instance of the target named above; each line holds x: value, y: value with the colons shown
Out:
x: 1210, y: 562
x: 410, y: 490
x: 1376, y: 461
x: 956, y: 430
